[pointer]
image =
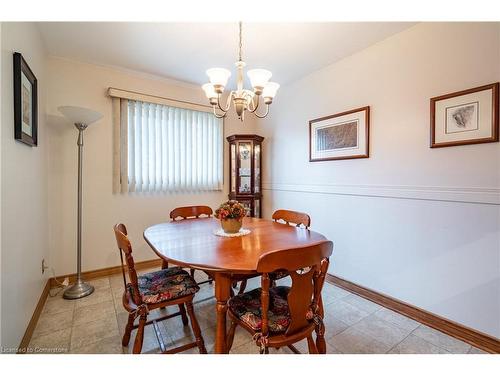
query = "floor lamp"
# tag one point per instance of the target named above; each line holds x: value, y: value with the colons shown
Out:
x: 81, y: 117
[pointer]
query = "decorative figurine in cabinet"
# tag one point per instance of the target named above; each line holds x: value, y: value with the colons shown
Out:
x: 245, y: 164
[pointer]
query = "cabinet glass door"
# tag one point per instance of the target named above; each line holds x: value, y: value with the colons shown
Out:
x: 245, y: 176
x: 233, y: 168
x: 256, y: 164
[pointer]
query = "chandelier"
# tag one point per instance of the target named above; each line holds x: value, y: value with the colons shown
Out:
x: 243, y: 99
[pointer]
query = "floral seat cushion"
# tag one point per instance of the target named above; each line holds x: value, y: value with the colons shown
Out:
x: 247, y: 307
x: 167, y: 284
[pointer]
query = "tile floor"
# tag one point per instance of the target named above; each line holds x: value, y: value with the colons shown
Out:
x: 95, y: 324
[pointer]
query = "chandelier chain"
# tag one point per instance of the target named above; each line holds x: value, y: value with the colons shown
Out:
x: 241, y: 40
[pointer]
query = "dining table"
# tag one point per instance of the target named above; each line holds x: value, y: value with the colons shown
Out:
x: 193, y: 243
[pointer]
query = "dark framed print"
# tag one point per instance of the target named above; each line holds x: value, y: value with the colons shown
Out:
x: 344, y: 135
x: 25, y: 102
x: 465, y: 117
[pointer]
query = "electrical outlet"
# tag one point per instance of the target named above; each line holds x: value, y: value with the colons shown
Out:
x: 44, y: 267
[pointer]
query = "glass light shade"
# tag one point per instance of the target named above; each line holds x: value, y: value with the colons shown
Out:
x: 270, y: 90
x: 259, y: 77
x: 80, y: 115
x: 218, y: 76
x: 209, y: 90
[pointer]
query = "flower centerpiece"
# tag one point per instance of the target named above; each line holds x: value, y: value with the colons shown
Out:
x: 231, y: 214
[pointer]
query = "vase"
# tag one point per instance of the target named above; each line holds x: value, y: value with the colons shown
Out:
x: 231, y: 225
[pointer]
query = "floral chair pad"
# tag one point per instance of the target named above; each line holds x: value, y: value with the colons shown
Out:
x: 247, y: 308
x: 166, y: 284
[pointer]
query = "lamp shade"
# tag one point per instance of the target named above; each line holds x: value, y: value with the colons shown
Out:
x: 259, y: 77
x: 218, y: 76
x: 270, y: 90
x: 209, y: 90
x: 80, y: 115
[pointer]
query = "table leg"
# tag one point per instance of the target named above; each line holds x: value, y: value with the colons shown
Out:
x: 222, y: 294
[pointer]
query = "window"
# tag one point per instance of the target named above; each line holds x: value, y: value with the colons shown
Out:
x: 168, y: 148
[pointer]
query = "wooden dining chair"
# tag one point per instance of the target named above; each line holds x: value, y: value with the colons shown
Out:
x: 191, y: 212
x: 299, y: 219
x: 292, y: 217
x: 282, y: 315
x: 155, y: 290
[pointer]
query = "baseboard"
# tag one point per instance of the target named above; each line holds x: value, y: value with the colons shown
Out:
x: 469, y: 335
x: 103, y: 272
x: 23, y: 346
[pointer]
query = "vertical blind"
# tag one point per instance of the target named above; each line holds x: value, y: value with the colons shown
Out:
x: 173, y: 149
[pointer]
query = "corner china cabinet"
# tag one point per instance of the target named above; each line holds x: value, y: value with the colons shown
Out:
x: 245, y: 164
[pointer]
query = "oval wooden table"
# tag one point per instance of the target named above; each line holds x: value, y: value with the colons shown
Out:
x: 192, y: 243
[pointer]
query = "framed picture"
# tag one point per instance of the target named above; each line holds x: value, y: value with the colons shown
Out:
x: 344, y: 135
x: 25, y: 102
x: 465, y: 117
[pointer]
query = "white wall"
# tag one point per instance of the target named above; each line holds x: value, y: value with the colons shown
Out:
x: 24, y: 181
x: 73, y: 83
x: 406, y: 221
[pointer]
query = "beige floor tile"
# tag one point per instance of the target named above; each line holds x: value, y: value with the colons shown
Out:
x: 206, y: 292
x: 53, y: 322
x: 110, y: 345
x: 382, y: 330
x: 90, y: 333
x: 442, y: 340
x: 208, y: 338
x: 117, y: 288
x: 102, y: 283
x: 302, y: 347
x: 332, y: 292
x: 397, y: 319
x: 122, y: 318
x: 333, y: 326
x: 415, y: 345
x: 90, y: 313
x: 361, y: 303
x: 117, y: 293
x: 100, y: 295
x: 353, y: 341
x: 246, y: 348
x: 54, y: 342
x: 58, y: 304
x: 241, y: 336
x: 150, y: 344
x: 175, y: 328
x: 345, y: 312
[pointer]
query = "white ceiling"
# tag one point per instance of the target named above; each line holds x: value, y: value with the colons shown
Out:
x: 183, y: 51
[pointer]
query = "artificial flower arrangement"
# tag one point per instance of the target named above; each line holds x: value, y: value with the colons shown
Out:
x: 231, y: 214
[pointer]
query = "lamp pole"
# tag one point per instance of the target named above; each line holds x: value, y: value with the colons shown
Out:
x: 80, y: 288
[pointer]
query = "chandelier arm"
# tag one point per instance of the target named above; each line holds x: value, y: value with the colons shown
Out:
x: 216, y: 115
x: 265, y: 114
x: 228, y: 103
x: 255, y: 105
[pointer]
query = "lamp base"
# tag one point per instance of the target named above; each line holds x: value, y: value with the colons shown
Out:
x: 79, y: 289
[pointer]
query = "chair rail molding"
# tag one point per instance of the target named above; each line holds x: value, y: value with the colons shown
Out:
x: 478, y: 195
